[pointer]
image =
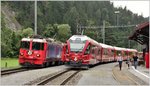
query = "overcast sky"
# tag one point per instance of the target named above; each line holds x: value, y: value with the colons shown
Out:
x: 139, y: 7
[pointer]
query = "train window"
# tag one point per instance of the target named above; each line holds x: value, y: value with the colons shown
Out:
x: 99, y: 51
x: 77, y: 47
x: 112, y: 52
x: 87, y: 51
x: 105, y: 51
x: 125, y: 53
x: 37, y: 46
x: 52, y: 52
x: 119, y: 52
x: 67, y: 50
x: 131, y: 53
x: 25, y: 44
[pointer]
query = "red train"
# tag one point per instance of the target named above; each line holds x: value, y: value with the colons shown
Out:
x: 37, y: 51
x: 82, y: 51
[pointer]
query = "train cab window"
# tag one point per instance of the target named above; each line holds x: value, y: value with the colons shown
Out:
x: 77, y: 45
x: 37, y: 46
x: 25, y: 44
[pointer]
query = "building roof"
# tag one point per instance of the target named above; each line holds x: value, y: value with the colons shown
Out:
x: 141, y: 33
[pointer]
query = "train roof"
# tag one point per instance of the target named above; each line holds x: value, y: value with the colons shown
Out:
x: 33, y: 39
x: 83, y: 38
x: 42, y: 40
x: 132, y: 50
x: 119, y: 48
x: 106, y: 46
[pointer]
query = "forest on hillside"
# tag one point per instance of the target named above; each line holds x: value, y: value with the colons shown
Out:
x: 59, y: 20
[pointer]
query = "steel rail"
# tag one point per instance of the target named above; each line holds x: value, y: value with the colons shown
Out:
x: 55, y: 76
x: 11, y: 71
x: 46, y: 80
x: 69, y: 78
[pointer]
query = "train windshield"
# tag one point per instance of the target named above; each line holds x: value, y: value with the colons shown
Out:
x: 37, y: 46
x: 76, y: 46
x: 25, y: 44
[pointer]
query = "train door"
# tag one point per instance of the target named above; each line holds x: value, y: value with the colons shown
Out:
x: 92, y: 57
x: 105, y: 55
x: 99, y: 54
x: 63, y: 53
x: 113, y: 55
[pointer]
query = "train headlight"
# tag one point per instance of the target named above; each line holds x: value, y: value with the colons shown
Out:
x: 21, y: 54
x: 38, y: 55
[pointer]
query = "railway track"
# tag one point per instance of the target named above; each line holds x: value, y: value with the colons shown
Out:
x: 59, y: 79
x: 11, y: 71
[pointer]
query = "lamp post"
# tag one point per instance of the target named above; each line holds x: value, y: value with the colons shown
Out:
x: 117, y: 12
x: 103, y: 31
x: 35, y: 17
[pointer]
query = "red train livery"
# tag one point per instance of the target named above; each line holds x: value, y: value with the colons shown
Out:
x: 82, y: 51
x: 40, y: 52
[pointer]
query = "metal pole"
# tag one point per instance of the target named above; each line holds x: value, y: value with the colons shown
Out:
x: 117, y: 12
x: 77, y: 28
x: 129, y: 43
x: 82, y: 31
x: 35, y: 17
x: 117, y: 19
x: 104, y: 31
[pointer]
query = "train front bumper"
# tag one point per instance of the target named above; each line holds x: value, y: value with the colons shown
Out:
x: 76, y: 63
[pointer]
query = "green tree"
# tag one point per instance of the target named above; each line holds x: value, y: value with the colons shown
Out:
x: 72, y: 18
x: 27, y: 32
x: 49, y: 31
x: 64, y: 32
x: 15, y: 44
x: 6, y: 42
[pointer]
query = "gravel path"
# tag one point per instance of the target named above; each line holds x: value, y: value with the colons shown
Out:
x: 99, y: 75
x: 26, y: 76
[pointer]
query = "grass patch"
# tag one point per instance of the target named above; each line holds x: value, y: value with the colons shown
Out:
x: 11, y: 62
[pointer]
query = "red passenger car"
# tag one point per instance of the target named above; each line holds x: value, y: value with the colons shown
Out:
x: 108, y: 53
x: 40, y: 52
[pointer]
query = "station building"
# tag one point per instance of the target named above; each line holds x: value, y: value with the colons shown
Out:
x: 141, y: 35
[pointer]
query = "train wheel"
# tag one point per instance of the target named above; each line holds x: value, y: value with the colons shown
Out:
x: 50, y: 63
x: 56, y: 62
x: 87, y: 67
x: 59, y: 62
x: 42, y: 66
x: 47, y: 64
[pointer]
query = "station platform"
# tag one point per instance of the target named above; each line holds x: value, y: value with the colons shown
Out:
x: 141, y: 72
x: 131, y: 76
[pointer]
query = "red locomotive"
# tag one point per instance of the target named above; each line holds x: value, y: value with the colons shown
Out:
x: 37, y: 51
x: 82, y: 51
